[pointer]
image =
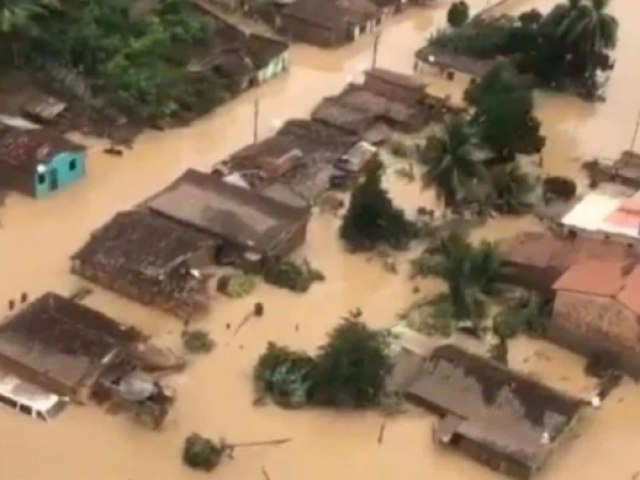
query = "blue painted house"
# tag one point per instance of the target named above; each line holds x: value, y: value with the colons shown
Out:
x: 39, y: 162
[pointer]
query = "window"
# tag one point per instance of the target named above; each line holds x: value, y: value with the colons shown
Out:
x: 42, y: 178
x: 73, y: 164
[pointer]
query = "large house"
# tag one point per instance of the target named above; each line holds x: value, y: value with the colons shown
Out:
x: 536, y: 260
x: 498, y: 417
x: 243, y: 59
x: 243, y: 222
x: 149, y: 259
x: 38, y: 162
x: 328, y: 22
x: 597, y: 311
x: 63, y: 346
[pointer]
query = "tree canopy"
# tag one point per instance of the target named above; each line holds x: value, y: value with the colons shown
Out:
x: 458, y: 14
x: 349, y: 370
x: 372, y: 219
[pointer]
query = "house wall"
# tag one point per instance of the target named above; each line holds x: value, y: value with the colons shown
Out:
x: 422, y: 67
x: 589, y: 324
x: 490, y: 457
x: 183, y: 300
x: 65, y: 168
x: 303, y: 31
x: 277, y: 66
x: 16, y: 179
x: 37, y: 378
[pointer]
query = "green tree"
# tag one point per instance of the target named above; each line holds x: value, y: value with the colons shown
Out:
x: 588, y: 26
x: 454, y: 162
x: 512, y: 189
x: 458, y: 14
x: 473, y: 275
x: 352, y: 366
x: 372, y: 219
x: 503, y: 102
x: 19, y: 22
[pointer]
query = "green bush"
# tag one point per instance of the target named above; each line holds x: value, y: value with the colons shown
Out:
x: 197, y: 341
x: 288, y: 274
x: 559, y: 187
x: 201, y: 453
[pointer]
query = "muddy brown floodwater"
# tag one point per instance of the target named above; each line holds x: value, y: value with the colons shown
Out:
x: 214, y: 393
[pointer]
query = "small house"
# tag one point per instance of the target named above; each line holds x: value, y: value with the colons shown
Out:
x: 498, y: 417
x: 62, y: 346
x: 38, y: 162
x: 329, y: 23
x: 395, y: 86
x: 536, y: 260
x: 244, y: 223
x: 448, y: 62
x: 625, y: 170
x: 149, y: 259
x: 597, y: 312
x: 349, y: 166
x: 244, y: 59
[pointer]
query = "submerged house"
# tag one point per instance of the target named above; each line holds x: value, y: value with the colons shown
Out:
x: 536, y: 260
x: 62, y: 346
x: 38, y: 162
x: 328, y: 23
x: 449, y: 62
x: 243, y: 59
x: 149, y: 259
x: 245, y: 224
x: 395, y: 86
x: 597, y: 311
x: 299, y: 158
x: 625, y: 170
x: 496, y: 416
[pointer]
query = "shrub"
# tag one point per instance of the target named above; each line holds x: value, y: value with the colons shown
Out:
x: 458, y: 14
x: 290, y: 275
x: 559, y: 188
x: 285, y: 375
x: 197, y: 341
x: 201, y: 453
x: 400, y: 149
x: 236, y: 285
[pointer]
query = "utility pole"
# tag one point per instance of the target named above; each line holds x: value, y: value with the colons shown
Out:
x: 376, y: 41
x: 635, y: 133
x: 256, y: 117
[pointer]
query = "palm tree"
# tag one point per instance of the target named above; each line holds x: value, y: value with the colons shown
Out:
x: 454, y: 161
x: 589, y: 27
x: 473, y: 274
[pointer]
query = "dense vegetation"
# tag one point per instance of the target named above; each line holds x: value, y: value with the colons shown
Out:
x: 473, y: 161
x: 568, y: 48
x: 201, y: 453
x: 137, y: 62
x: 372, y: 219
x: 349, y: 370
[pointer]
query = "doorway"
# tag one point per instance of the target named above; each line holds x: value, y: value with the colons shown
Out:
x: 53, y: 180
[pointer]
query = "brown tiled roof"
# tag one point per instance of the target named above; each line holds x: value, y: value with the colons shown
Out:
x: 335, y: 113
x: 505, y: 410
x: 595, y: 277
x: 29, y: 148
x: 629, y: 296
x: 215, y: 207
x: 618, y: 280
x: 141, y: 243
x: 332, y: 14
x: 546, y: 250
x: 58, y: 338
x: 397, y: 79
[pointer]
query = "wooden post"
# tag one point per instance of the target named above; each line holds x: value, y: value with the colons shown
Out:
x: 376, y: 41
x: 256, y: 116
x: 635, y: 133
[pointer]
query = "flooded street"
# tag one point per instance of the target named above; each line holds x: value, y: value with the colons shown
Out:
x: 215, y: 392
